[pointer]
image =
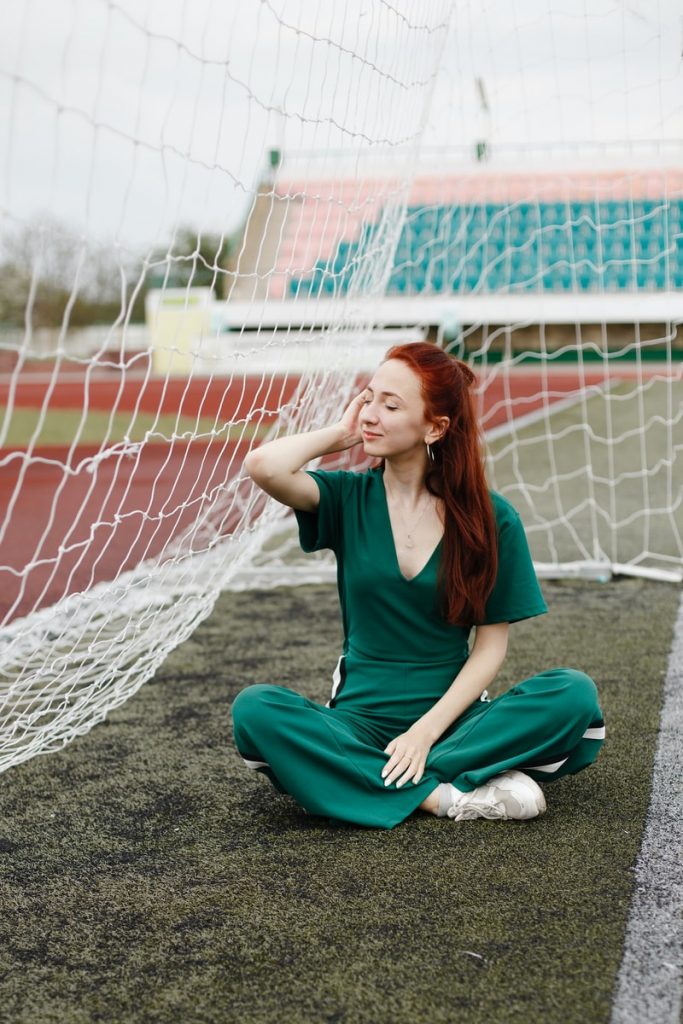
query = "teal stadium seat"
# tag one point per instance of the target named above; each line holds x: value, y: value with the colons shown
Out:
x: 436, y: 278
x: 416, y: 280
x: 402, y: 283
x: 492, y: 247
x: 611, y: 277
x: 627, y: 277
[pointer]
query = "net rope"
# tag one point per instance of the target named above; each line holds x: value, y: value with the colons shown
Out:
x: 214, y: 221
x: 112, y: 585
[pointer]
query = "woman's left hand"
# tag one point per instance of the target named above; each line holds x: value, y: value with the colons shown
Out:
x: 408, y: 756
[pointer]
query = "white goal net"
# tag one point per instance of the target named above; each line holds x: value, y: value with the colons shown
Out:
x: 215, y: 219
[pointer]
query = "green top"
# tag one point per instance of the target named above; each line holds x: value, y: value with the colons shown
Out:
x: 387, y: 617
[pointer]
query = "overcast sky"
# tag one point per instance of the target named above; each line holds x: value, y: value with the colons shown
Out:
x: 130, y: 116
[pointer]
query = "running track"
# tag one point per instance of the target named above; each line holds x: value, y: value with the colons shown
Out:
x: 64, y: 531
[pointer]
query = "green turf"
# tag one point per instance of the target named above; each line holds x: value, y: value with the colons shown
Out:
x: 147, y: 875
x: 601, y: 475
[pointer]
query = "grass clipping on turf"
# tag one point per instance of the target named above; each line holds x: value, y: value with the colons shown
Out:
x: 149, y: 876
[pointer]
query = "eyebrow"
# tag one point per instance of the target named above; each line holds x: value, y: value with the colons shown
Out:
x: 392, y: 394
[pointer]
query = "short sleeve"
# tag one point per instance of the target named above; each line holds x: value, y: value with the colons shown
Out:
x: 516, y: 593
x: 322, y: 528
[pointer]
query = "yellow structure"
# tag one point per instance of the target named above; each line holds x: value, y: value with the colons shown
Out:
x: 179, y: 324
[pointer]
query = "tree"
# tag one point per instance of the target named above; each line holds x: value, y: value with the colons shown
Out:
x: 192, y: 258
x: 61, y: 274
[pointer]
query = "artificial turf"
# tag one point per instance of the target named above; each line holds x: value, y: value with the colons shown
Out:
x: 147, y: 875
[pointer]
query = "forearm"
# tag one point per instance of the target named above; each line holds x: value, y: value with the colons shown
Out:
x: 478, y: 672
x: 289, y: 454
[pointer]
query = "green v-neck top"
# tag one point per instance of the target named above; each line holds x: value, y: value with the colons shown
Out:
x: 387, y: 617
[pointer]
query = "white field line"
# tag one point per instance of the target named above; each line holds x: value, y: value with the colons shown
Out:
x: 649, y: 988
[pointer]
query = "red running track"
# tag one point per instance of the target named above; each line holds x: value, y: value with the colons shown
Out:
x: 63, y: 532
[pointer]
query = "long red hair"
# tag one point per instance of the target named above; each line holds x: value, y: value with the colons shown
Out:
x: 469, y: 560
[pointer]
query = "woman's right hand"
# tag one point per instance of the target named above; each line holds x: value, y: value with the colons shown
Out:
x: 276, y: 466
x: 349, y: 423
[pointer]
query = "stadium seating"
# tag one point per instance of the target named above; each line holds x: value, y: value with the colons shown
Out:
x: 581, y: 245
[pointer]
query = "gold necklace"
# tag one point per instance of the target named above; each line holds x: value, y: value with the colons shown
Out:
x: 409, y: 543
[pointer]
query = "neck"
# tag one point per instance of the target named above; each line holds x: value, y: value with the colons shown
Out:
x: 405, y: 475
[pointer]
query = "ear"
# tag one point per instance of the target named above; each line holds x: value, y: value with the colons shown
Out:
x: 437, y: 430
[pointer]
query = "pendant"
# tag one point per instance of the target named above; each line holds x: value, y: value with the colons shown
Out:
x: 409, y: 542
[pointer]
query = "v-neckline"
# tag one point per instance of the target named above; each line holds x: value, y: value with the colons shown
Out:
x: 392, y: 541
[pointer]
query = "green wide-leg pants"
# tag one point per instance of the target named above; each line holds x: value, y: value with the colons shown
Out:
x: 330, y: 760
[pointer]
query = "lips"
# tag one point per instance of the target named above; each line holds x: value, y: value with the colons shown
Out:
x: 366, y: 433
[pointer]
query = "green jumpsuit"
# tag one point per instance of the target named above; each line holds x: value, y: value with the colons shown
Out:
x: 399, y: 657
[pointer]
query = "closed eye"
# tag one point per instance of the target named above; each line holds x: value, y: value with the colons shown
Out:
x: 366, y: 401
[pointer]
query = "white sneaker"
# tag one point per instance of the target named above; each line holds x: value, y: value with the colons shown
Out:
x: 509, y: 795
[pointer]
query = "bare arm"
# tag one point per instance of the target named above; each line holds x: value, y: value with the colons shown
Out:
x: 480, y: 669
x: 478, y: 672
x: 276, y: 465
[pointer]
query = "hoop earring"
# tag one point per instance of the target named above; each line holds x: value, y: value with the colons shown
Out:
x: 430, y: 453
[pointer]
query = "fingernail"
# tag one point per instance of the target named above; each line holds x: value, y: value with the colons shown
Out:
x: 387, y: 782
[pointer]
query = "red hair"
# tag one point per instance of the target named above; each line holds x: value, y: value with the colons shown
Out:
x: 469, y: 561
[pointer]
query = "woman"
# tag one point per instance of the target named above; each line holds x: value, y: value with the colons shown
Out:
x: 424, y: 553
